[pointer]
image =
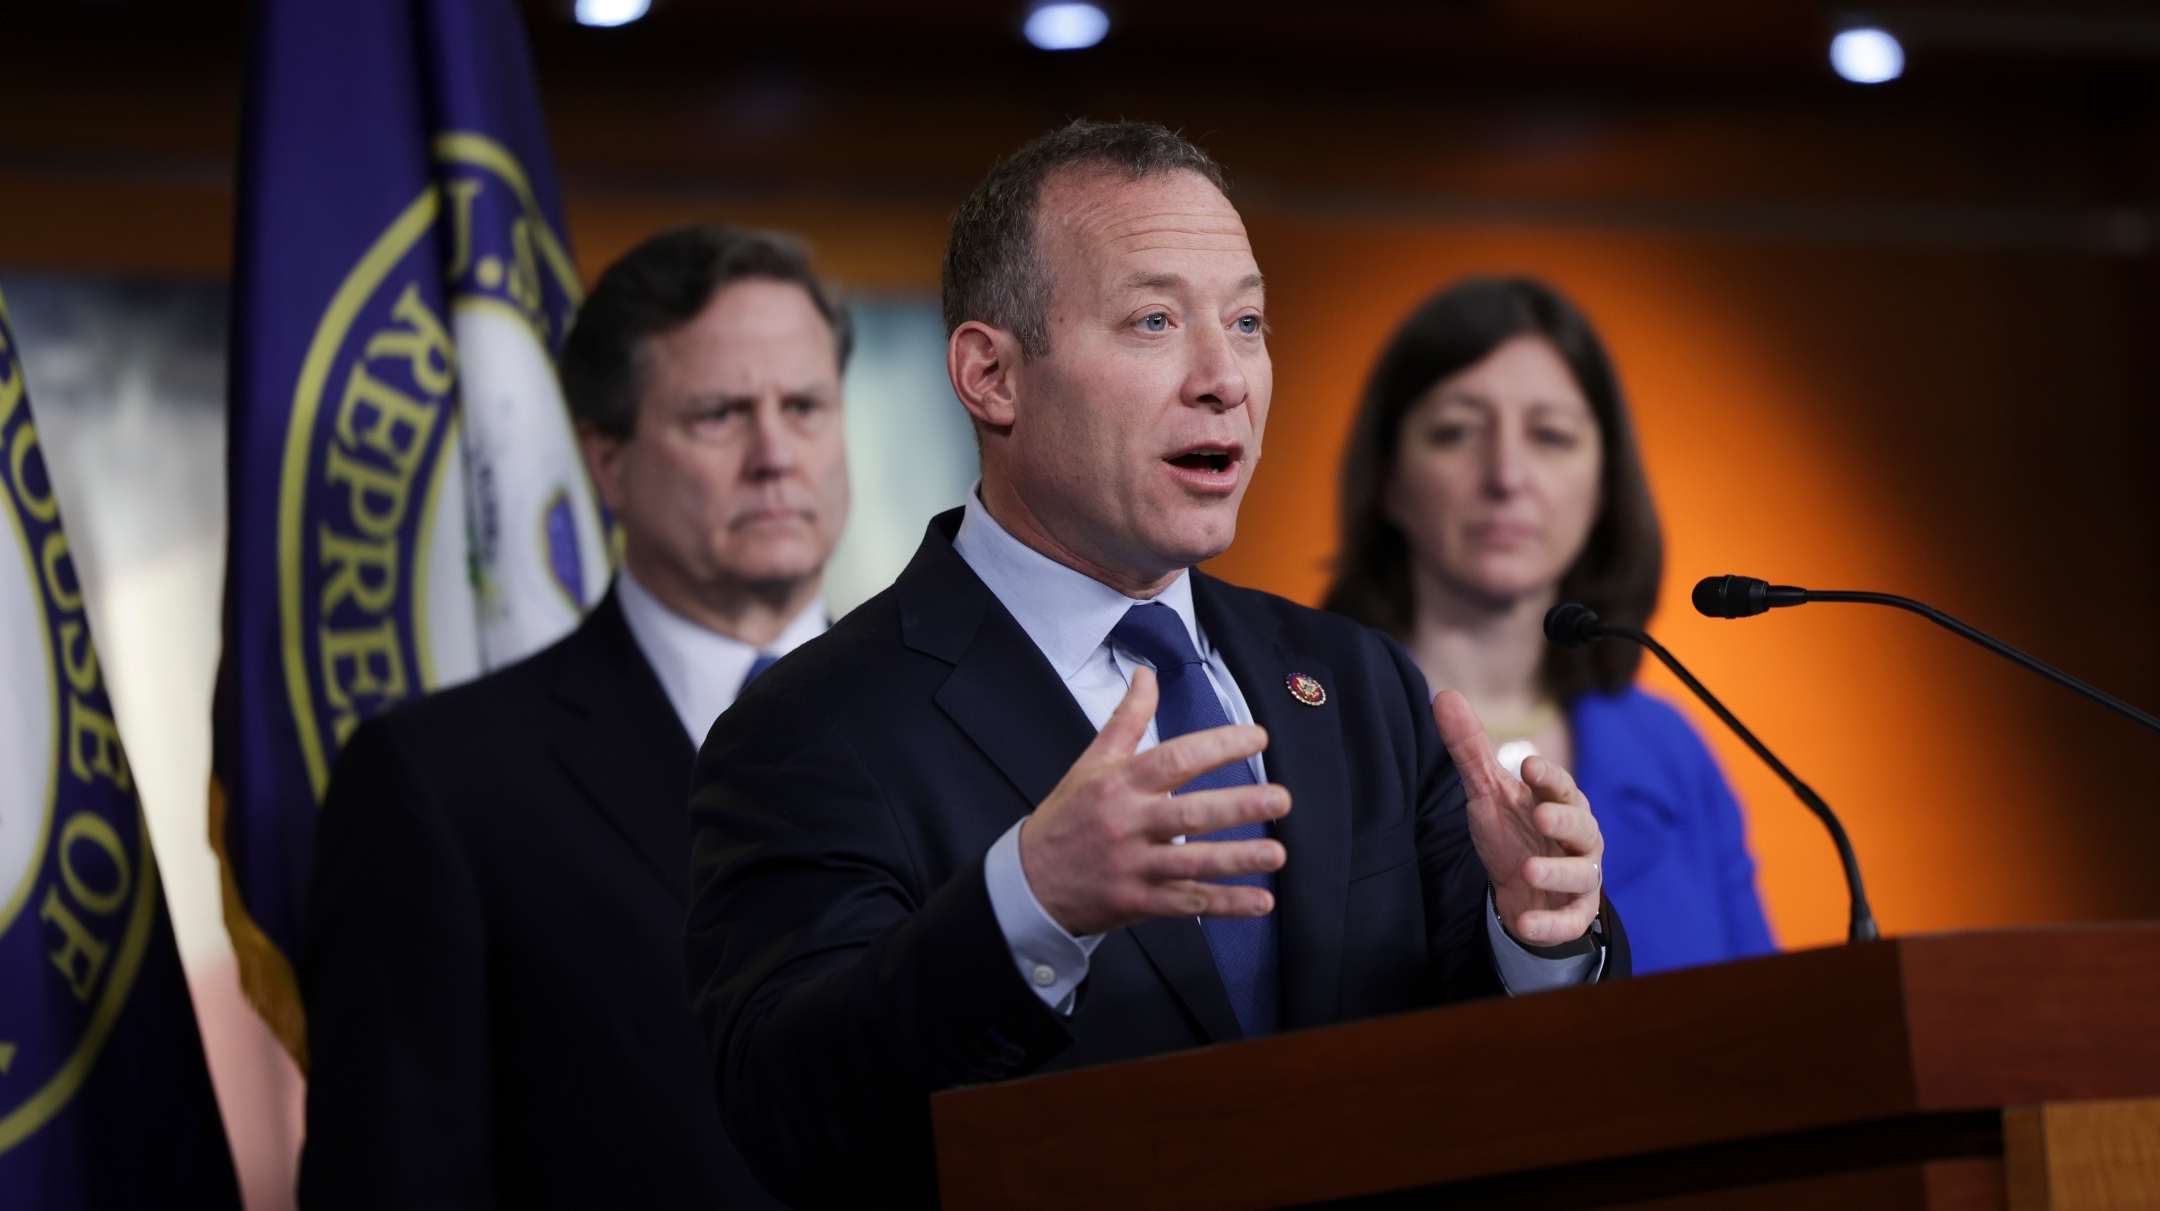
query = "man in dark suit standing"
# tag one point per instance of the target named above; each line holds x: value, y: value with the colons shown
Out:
x: 492, y: 952
x: 1032, y: 807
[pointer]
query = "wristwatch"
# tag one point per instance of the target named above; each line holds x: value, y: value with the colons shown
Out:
x: 1592, y: 940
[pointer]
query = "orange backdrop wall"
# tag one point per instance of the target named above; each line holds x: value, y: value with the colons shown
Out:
x: 1964, y: 428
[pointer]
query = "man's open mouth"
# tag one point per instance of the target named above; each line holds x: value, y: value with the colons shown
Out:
x: 1209, y: 459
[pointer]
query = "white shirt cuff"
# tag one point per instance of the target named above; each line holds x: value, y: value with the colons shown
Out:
x: 1523, y: 973
x: 1052, y: 961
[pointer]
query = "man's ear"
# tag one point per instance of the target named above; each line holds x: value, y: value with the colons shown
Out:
x: 603, y: 460
x: 984, y: 363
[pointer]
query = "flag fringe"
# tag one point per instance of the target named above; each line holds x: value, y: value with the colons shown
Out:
x: 266, y: 975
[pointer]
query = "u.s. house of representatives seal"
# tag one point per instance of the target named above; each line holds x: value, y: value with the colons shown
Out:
x: 435, y: 518
x: 78, y: 886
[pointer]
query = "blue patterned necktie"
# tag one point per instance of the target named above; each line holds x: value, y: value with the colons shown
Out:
x: 765, y: 660
x: 1244, y: 947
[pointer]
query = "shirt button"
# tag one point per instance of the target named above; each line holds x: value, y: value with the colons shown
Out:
x: 1044, y: 975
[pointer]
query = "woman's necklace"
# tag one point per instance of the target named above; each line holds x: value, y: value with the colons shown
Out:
x: 1511, y: 739
x: 1523, y: 727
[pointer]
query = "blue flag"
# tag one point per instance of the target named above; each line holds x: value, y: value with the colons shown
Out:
x: 105, y: 1098
x: 407, y: 504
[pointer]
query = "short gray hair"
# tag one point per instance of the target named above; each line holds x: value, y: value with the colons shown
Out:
x: 993, y: 266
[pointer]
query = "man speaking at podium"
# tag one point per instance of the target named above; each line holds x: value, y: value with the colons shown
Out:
x: 1055, y: 799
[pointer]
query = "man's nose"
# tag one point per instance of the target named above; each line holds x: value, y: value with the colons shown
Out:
x: 772, y: 445
x: 1217, y: 379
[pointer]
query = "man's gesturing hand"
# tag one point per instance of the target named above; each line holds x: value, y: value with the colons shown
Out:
x: 1097, y: 852
x: 1540, y: 844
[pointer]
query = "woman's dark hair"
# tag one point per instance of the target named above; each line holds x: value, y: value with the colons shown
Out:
x: 1616, y: 574
x: 659, y: 286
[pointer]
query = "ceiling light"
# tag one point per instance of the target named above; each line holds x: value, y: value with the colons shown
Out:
x: 611, y: 12
x: 1067, y: 26
x: 1867, y: 56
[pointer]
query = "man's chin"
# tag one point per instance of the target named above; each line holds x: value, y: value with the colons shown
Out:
x: 771, y: 566
x: 1193, y: 539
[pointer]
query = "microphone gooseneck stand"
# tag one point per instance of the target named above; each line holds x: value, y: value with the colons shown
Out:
x: 1571, y: 625
x: 1745, y: 597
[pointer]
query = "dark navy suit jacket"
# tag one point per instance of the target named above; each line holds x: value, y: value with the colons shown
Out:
x: 491, y: 957
x: 841, y: 945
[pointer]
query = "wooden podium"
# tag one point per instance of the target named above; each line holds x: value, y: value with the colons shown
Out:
x: 1974, y: 1070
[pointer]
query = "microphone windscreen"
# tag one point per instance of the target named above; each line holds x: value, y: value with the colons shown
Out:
x: 1731, y: 596
x: 1572, y: 624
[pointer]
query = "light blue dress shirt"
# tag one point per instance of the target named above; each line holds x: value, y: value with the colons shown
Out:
x: 1069, y: 616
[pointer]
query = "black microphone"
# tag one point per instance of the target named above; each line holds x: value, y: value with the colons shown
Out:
x: 1745, y: 596
x: 1572, y: 625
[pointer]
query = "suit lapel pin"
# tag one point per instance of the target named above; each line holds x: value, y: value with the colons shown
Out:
x: 1306, y: 689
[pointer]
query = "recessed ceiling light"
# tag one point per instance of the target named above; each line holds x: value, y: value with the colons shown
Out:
x: 1067, y: 26
x: 611, y: 12
x: 1867, y: 56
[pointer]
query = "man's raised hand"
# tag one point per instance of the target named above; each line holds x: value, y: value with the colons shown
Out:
x: 1098, y: 854
x: 1540, y: 844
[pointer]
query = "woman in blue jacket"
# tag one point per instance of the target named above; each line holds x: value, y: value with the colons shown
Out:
x: 1493, y: 473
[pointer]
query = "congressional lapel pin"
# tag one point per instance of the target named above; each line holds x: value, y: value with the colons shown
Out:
x: 1306, y: 689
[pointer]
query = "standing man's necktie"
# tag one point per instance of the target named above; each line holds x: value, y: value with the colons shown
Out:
x: 765, y: 660
x: 1244, y: 947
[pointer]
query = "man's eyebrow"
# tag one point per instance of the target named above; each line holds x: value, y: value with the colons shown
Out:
x: 1172, y: 281
x: 1154, y: 281
x: 718, y: 400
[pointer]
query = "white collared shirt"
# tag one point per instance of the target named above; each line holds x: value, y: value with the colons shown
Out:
x: 701, y: 669
x: 1069, y: 615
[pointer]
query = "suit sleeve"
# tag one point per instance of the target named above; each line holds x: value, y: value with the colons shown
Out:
x: 1449, y: 870
x: 837, y: 992
x: 393, y: 974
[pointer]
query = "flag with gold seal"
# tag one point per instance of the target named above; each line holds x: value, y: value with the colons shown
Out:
x: 105, y: 1098
x: 408, y: 508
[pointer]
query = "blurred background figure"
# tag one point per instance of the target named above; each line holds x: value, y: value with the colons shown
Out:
x: 490, y: 954
x: 1493, y: 473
